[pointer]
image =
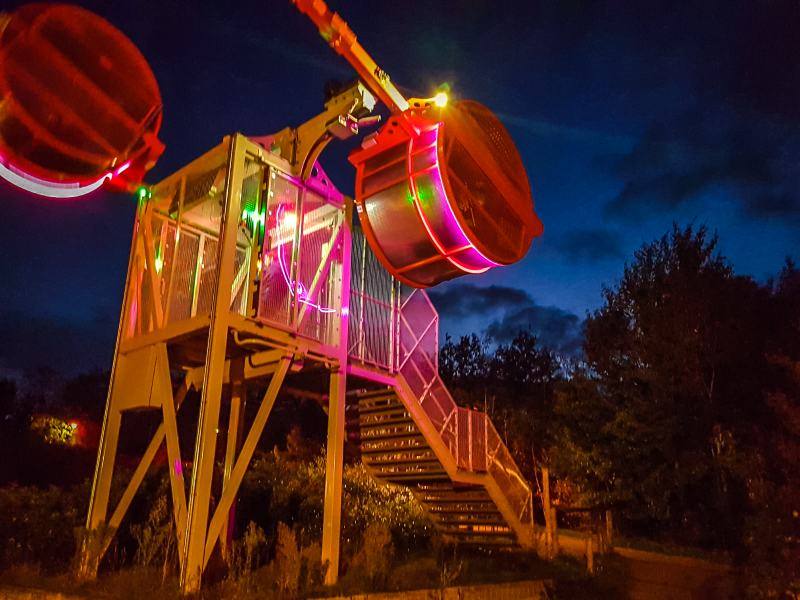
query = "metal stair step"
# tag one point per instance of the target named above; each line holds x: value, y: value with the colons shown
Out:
x: 386, y: 392
x: 405, y: 463
x: 369, y: 410
x: 410, y: 478
x: 455, y: 499
x: 386, y: 449
x: 472, y: 522
x: 484, y: 542
x: 487, y: 534
x: 393, y: 436
x: 387, y: 422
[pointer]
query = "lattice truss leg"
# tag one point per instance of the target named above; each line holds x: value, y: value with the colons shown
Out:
x: 236, y: 276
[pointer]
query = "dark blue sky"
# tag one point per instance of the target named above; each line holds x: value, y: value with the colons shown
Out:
x: 629, y: 115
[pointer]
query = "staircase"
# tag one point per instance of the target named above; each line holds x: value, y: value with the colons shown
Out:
x: 396, y: 452
x: 411, y: 432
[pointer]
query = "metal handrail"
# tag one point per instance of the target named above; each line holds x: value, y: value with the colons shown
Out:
x: 412, y: 361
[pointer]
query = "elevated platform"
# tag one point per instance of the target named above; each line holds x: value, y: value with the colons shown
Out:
x: 240, y: 274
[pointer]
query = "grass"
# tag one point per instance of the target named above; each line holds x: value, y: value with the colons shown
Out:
x: 416, y: 572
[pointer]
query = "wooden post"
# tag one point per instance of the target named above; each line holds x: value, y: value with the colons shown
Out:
x: 609, y: 530
x: 554, y: 524
x: 590, y: 553
x: 548, y: 529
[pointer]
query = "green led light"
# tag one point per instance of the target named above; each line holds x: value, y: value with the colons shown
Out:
x: 142, y: 192
x: 258, y: 219
x: 159, y: 264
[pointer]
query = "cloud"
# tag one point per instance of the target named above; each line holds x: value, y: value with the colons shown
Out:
x: 723, y: 109
x: 589, y: 245
x: 466, y: 300
x: 741, y: 154
x: 555, y: 328
x: 505, y: 310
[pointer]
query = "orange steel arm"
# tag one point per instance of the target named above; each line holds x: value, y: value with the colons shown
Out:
x: 335, y: 31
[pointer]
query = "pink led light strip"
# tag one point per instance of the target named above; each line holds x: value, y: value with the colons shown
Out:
x: 433, y: 237
x: 52, y: 189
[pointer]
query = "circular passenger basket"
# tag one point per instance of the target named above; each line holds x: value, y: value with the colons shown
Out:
x: 79, y: 101
x: 442, y: 192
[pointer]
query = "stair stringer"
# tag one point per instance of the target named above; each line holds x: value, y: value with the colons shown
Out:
x: 525, y: 533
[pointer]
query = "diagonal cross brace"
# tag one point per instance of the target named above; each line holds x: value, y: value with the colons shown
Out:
x: 246, y: 453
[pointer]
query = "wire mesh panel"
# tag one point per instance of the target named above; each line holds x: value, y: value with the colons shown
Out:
x: 355, y: 342
x: 182, y: 275
x: 478, y: 422
x: 320, y: 248
x: 301, y: 263
x: 241, y: 265
x: 373, y: 313
x: 206, y: 276
x: 463, y: 431
x: 277, y: 261
x: 503, y: 469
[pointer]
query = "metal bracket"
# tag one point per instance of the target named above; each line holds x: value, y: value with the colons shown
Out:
x: 344, y: 113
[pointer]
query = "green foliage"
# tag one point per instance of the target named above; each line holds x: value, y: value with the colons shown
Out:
x: 243, y: 556
x: 278, y: 490
x: 37, y: 526
x: 417, y: 573
x: 288, y: 561
x: 312, y: 570
x: 772, y: 534
x: 54, y: 430
x: 156, y: 537
x: 373, y: 559
x: 515, y: 386
x: 664, y: 422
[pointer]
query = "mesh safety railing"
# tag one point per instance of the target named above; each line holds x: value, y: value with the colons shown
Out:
x: 294, y: 284
x: 301, y: 264
x: 397, y: 328
x: 372, y: 335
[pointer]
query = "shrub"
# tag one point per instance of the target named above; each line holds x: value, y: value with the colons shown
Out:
x: 288, y: 562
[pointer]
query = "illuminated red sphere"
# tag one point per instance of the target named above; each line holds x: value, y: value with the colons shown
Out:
x: 442, y: 192
x: 78, y: 101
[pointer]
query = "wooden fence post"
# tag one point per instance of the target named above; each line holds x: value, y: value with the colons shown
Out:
x: 554, y: 525
x: 548, y: 528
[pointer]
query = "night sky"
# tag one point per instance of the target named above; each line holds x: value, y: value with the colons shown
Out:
x: 629, y: 116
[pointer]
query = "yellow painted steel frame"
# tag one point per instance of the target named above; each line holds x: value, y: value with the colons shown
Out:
x: 148, y: 337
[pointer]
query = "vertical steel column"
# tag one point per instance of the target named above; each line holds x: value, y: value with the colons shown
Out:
x: 297, y: 255
x: 334, y: 461
x: 198, y: 269
x: 393, y: 330
x: 362, y: 337
x: 205, y: 446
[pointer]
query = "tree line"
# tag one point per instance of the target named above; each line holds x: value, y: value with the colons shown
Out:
x: 683, y: 413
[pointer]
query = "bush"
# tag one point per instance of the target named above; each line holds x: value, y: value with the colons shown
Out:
x: 277, y: 490
x: 375, y: 556
x: 288, y: 562
x: 38, y: 525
